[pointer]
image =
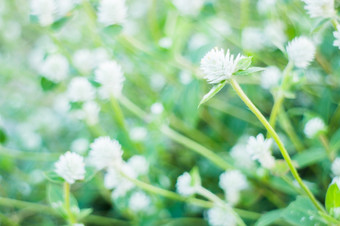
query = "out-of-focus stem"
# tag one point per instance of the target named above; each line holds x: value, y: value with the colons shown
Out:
x: 70, y: 217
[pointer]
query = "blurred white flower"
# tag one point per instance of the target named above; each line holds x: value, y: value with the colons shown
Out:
x: 184, y: 185
x: 253, y: 39
x: 270, y: 77
x: 241, y: 156
x: 80, y: 89
x: 185, y: 77
x: 165, y: 42
x: 218, y: 216
x: 139, y: 201
x: 336, y: 167
x: 64, y: 6
x: 314, y: 126
x: 265, y: 6
x: 301, y: 51
x: 55, y: 68
x: 80, y: 145
x: 218, y: 66
x: 259, y: 148
x: 189, y: 7
x: 138, y: 133
x: 44, y: 10
x: 275, y: 32
x: 83, y: 60
x: 157, y: 108
x: 320, y: 8
x: 337, y: 37
x: 232, y: 182
x: 139, y: 164
x: 12, y: 31
x: 110, y: 76
x: 71, y: 167
x: 105, y: 153
x: 89, y: 112
x: 221, y: 26
x: 100, y: 55
x: 112, y: 12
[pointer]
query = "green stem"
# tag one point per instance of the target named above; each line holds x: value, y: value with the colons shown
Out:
x: 325, y: 143
x: 118, y: 114
x: 70, y: 216
x: 278, y: 141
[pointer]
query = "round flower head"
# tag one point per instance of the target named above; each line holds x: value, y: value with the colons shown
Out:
x: 80, y: 89
x: 218, y: 216
x: 241, y: 157
x: 139, y: 164
x: 336, y: 167
x: 90, y: 112
x: 71, y: 167
x: 301, y: 51
x: 55, y: 68
x: 218, y: 66
x: 313, y: 127
x: 105, y: 153
x: 337, y: 37
x: 44, y: 10
x: 139, y: 201
x: 259, y: 148
x: 111, y: 12
x: 184, y: 185
x: 83, y: 60
x: 320, y: 8
x: 189, y: 7
x: 232, y: 182
x: 110, y: 76
x: 270, y: 77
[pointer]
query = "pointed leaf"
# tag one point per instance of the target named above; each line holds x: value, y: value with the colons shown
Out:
x: 332, y: 197
x: 250, y: 70
x: 212, y: 92
x: 244, y: 63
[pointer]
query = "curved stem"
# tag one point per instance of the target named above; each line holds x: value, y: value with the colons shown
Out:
x: 71, y: 218
x: 278, y: 141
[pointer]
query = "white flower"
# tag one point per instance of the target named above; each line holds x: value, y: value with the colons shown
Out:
x: 100, y: 55
x: 64, y: 6
x: 89, y: 112
x: 320, y: 8
x: 336, y: 167
x: 313, y: 127
x: 80, y: 145
x: 270, y: 77
x: 232, y: 182
x: 337, y: 37
x: 83, y: 60
x: 110, y: 75
x: 189, y: 7
x: 253, y: 39
x: 71, y: 167
x: 259, y: 148
x: 80, y: 89
x: 218, y: 66
x: 111, y: 12
x: 105, y: 153
x: 138, y: 133
x: 218, y: 216
x: 265, y: 6
x: 121, y: 185
x: 275, y: 31
x: 301, y: 51
x: 336, y: 180
x: 44, y: 10
x: 157, y: 108
x: 184, y: 185
x: 139, y: 164
x: 139, y: 201
x: 55, y: 68
x: 241, y: 156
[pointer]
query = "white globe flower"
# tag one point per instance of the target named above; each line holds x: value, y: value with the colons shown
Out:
x: 139, y: 164
x: 45, y: 11
x: 80, y: 89
x: 184, y: 185
x: 71, y: 167
x: 320, y: 8
x: 83, y: 60
x: 110, y: 76
x: 89, y: 112
x: 105, y: 153
x: 80, y: 145
x: 218, y: 216
x: 301, y: 51
x: 139, y: 201
x: 138, y: 133
x: 270, y: 77
x: 337, y: 37
x: 336, y: 167
x: 275, y: 32
x: 218, y: 66
x: 241, y: 156
x: 112, y: 12
x: 259, y: 148
x: 314, y: 126
x: 55, y: 68
x: 189, y: 7
x: 232, y: 182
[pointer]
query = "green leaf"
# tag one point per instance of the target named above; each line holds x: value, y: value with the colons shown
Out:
x: 212, y: 92
x: 302, y: 212
x: 243, y: 64
x: 54, y: 177
x: 195, y: 175
x: 250, y: 70
x: 269, y: 218
x: 112, y: 30
x: 56, y: 199
x: 84, y: 213
x: 3, y: 136
x: 59, y: 23
x: 319, y: 25
x: 332, y: 197
x: 90, y: 173
x: 309, y: 157
x: 46, y: 84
